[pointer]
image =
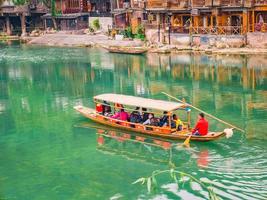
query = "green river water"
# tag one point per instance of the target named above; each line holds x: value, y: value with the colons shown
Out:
x: 48, y: 151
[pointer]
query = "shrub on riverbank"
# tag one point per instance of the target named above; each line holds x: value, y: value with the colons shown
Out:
x: 128, y: 33
x: 96, y: 24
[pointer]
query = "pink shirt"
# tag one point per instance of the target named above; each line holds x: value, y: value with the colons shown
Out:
x: 121, y: 116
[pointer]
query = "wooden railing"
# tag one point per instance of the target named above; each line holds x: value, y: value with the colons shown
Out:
x: 157, y: 3
x: 218, y: 30
x: 178, y: 4
x: 260, y: 2
x: 232, y: 3
x: 174, y: 4
x: 201, y: 3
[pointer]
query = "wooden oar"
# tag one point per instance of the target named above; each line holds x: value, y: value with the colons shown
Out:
x: 187, y: 141
x: 224, y: 122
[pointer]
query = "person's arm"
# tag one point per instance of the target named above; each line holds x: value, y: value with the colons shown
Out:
x: 196, y: 127
x: 116, y: 115
x: 146, y: 122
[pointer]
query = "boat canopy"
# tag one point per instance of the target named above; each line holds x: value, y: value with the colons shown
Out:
x: 140, y: 102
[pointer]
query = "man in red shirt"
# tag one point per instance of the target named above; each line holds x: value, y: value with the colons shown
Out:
x: 202, y: 126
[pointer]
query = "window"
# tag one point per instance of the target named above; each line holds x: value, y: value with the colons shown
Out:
x: 108, y: 7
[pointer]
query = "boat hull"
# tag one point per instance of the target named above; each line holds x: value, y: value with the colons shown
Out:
x: 125, y: 50
x: 139, y: 128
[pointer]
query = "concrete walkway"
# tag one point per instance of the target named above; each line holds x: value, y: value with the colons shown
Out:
x: 65, y: 39
x: 71, y: 40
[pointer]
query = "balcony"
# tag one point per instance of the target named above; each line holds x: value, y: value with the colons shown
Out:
x: 248, y: 3
x: 167, y: 4
x: 139, y: 4
x: 230, y: 3
x: 260, y: 2
x: 157, y: 4
x: 201, y: 3
x: 123, y: 4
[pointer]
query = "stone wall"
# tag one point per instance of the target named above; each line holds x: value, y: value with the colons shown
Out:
x: 219, y: 41
x: 152, y: 36
x: 257, y: 40
x: 180, y: 39
x: 205, y: 41
x: 105, y: 22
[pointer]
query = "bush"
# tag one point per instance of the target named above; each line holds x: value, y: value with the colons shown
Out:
x: 140, y: 36
x: 96, y: 24
x: 128, y: 32
x: 140, y: 33
x: 140, y: 30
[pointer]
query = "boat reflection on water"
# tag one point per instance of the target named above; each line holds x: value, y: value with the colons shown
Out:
x: 134, y: 146
x: 149, y: 149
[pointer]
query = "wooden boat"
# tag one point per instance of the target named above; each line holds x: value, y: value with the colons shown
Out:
x: 126, y: 50
x: 130, y: 102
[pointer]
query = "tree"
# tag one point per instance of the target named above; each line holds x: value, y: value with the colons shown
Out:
x: 53, y: 13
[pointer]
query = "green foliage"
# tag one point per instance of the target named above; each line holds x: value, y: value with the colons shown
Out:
x: 53, y: 8
x: 128, y: 32
x: 140, y: 33
x: 178, y: 177
x: 20, y: 2
x: 140, y: 29
x: 58, y: 12
x: 96, y: 24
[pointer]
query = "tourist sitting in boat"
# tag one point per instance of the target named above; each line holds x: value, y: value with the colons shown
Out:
x: 99, y: 108
x: 145, y: 115
x: 122, y: 115
x: 135, y: 116
x: 164, y: 120
x: 176, y: 123
x: 202, y: 126
x: 152, y: 121
x: 117, y: 106
x: 106, y: 108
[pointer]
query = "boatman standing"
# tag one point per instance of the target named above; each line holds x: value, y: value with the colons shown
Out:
x: 202, y: 126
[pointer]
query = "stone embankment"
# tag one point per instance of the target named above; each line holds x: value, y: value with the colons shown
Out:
x: 64, y: 39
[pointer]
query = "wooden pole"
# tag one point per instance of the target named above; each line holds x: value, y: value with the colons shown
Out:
x: 253, y: 20
x: 8, y: 26
x: 224, y: 122
x: 23, y: 24
x: 170, y: 121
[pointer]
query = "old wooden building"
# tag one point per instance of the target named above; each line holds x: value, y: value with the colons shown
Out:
x: 75, y: 14
x: 20, y: 19
x: 69, y: 15
x: 129, y: 13
x: 99, y: 8
x: 231, y: 17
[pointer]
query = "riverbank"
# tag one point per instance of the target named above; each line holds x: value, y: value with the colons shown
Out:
x: 63, y: 39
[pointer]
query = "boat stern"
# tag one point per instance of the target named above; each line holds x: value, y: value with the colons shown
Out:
x: 84, y: 110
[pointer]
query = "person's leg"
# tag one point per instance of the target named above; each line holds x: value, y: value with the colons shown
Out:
x: 196, y: 133
x: 180, y: 128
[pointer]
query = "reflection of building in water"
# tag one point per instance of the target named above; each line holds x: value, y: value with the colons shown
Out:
x: 222, y: 69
